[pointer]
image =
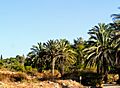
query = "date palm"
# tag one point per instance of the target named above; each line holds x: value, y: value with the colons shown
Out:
x: 101, y: 49
x: 67, y: 54
x: 116, y: 39
x: 52, y: 52
x: 36, y: 57
x: 78, y: 46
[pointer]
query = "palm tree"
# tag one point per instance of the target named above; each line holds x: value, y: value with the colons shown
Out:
x: 116, y: 16
x: 116, y: 39
x: 36, y: 56
x: 78, y: 46
x: 60, y: 53
x: 100, y: 51
x: 116, y: 19
x: 67, y: 54
x: 52, y: 52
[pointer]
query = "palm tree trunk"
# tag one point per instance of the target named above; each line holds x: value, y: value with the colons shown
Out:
x: 53, y: 67
x: 62, y: 70
x: 98, y: 69
x: 106, y: 74
x: 105, y: 77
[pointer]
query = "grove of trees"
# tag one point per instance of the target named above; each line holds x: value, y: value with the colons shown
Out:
x: 101, y: 51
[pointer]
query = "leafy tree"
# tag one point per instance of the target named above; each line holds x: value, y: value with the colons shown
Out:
x: 20, y: 59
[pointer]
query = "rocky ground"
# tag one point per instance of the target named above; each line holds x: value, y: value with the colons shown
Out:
x: 42, y: 84
x: 7, y: 81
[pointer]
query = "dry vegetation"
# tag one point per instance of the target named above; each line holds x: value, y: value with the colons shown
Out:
x: 10, y: 79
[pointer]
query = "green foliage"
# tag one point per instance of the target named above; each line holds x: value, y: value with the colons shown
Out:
x: 101, y: 51
x: 31, y: 71
x: 17, y: 68
x: 1, y: 63
x: 91, y: 78
x: 87, y: 77
x: 28, y: 68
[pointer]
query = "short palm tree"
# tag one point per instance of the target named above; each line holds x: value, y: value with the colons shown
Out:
x: 78, y: 46
x: 36, y: 56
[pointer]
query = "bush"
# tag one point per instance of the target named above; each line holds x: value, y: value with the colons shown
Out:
x: 88, y: 78
x: 31, y: 71
x: 91, y: 78
x: 17, y: 68
x: 1, y: 63
x: 28, y: 68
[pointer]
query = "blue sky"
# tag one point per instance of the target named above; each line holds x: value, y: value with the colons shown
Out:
x: 23, y: 23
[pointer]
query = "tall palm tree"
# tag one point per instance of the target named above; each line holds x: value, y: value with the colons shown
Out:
x: 60, y: 53
x: 100, y: 51
x: 116, y: 39
x: 67, y: 54
x: 52, y: 52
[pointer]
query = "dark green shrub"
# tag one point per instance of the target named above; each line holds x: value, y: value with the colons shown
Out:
x: 91, y: 78
x: 1, y: 63
x: 88, y: 78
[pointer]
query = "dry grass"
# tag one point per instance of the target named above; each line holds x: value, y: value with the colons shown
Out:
x: 10, y: 79
x: 13, y: 76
